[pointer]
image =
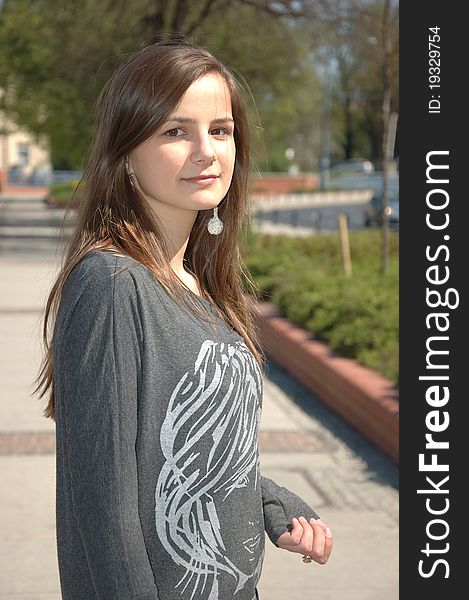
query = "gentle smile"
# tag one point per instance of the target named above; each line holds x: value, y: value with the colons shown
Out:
x: 202, y: 180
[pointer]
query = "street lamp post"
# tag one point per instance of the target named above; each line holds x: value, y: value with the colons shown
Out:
x: 325, y: 162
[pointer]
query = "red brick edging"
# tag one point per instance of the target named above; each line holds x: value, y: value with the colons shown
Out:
x: 364, y: 398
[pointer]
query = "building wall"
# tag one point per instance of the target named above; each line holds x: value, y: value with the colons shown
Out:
x: 20, y: 149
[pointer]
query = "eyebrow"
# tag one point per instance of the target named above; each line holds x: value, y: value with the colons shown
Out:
x: 189, y: 120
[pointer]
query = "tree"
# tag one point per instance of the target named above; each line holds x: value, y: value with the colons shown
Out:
x: 348, y: 38
x: 56, y: 56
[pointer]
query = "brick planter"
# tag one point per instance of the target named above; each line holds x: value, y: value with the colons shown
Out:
x: 364, y: 398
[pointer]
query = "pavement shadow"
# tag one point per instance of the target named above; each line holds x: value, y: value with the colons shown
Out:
x: 381, y: 468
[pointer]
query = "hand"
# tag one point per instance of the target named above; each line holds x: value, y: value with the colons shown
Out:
x: 313, y: 538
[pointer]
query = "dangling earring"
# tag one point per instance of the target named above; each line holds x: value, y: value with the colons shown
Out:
x: 215, y: 225
x: 131, y: 177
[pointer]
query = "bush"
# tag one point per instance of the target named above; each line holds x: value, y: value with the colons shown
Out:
x: 63, y: 193
x: 358, y: 316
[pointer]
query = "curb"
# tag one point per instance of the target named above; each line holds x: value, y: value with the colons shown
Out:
x: 361, y: 396
x: 17, y: 190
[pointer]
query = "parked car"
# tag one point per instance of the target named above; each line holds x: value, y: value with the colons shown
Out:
x: 353, y: 165
x: 373, y: 211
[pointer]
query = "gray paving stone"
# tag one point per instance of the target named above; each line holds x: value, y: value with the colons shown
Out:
x: 304, y: 446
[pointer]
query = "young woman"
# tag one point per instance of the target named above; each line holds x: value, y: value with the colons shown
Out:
x: 154, y: 379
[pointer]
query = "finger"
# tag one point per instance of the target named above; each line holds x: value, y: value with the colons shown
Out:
x: 319, y: 540
x: 328, y: 544
x: 326, y: 528
x: 321, y: 522
x: 307, y: 537
x: 297, y: 531
x: 291, y: 538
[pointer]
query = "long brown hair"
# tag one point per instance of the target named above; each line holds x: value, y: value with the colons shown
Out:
x: 144, y: 90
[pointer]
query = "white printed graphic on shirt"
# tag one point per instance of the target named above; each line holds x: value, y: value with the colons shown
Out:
x: 200, y: 409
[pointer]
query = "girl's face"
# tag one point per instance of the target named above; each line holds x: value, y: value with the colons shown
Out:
x: 196, y: 141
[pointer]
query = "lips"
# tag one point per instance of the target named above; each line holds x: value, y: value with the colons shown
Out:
x: 201, y: 177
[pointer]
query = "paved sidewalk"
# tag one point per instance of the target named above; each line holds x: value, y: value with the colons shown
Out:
x: 303, y: 446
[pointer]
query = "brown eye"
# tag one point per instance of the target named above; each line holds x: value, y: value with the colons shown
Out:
x: 222, y: 129
x: 172, y: 131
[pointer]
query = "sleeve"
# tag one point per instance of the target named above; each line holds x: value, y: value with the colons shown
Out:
x: 280, y: 506
x: 98, y: 361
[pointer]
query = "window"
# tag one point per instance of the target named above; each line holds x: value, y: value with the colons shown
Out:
x: 23, y: 154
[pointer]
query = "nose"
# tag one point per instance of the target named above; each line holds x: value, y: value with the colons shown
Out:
x: 203, y: 151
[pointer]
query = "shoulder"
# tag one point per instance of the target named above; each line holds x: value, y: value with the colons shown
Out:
x: 102, y: 276
x: 105, y: 270
x: 100, y: 289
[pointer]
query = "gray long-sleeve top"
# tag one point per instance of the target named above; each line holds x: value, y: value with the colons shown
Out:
x: 159, y: 493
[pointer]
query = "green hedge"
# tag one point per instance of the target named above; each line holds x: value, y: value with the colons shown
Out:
x: 358, y: 316
x: 63, y: 191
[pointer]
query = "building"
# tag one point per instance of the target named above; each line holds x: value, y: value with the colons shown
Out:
x: 24, y: 158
